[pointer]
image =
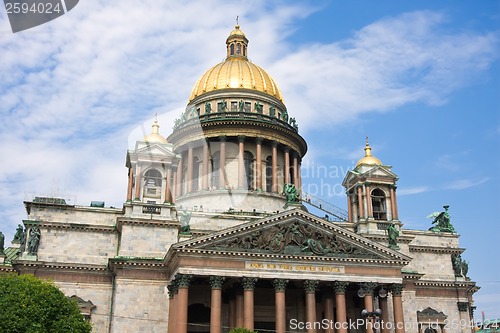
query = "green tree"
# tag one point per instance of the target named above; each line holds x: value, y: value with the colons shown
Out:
x: 241, y: 330
x: 32, y: 305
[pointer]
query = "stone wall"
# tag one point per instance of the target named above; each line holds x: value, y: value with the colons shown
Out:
x: 140, y: 306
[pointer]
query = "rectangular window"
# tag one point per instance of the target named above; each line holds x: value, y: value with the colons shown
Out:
x: 248, y: 106
x: 234, y: 106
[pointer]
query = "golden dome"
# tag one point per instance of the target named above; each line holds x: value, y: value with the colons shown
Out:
x: 155, y: 136
x: 236, y: 72
x: 368, y: 158
x: 236, y: 32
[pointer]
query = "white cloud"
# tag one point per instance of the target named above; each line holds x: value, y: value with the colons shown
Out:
x: 462, y: 184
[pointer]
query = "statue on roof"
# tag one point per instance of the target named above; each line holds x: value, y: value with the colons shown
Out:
x: 208, y: 107
x: 184, y: 218
x: 441, y: 221
x: 292, y: 194
x: 241, y: 106
x: 393, y: 235
x: 19, y: 234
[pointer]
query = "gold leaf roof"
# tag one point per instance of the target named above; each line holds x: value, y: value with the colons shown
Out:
x: 236, y: 73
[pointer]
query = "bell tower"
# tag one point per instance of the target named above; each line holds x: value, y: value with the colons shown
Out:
x: 371, y: 195
x: 151, y: 167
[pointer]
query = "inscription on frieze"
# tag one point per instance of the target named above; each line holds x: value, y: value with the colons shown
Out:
x: 287, y: 267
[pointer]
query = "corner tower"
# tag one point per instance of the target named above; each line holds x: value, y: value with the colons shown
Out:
x: 371, y: 195
x: 238, y: 144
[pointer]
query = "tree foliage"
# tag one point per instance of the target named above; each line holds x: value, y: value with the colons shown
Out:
x: 241, y: 330
x: 32, y: 305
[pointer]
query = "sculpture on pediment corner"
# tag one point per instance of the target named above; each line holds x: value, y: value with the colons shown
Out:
x: 393, y: 234
x: 184, y: 219
x: 18, y: 236
x: 442, y: 221
x: 292, y: 194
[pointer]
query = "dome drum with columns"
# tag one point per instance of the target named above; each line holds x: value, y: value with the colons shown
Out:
x: 236, y: 136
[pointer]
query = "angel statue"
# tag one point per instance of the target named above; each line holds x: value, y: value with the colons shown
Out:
x: 441, y: 221
x: 291, y: 193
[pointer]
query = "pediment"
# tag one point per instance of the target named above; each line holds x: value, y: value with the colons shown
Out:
x: 369, y: 172
x: 155, y: 149
x: 293, y: 234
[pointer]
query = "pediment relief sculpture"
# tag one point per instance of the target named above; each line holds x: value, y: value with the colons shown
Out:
x: 293, y: 238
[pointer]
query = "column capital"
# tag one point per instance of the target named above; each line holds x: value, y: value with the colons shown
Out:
x: 393, y: 186
x: 216, y: 281
x: 286, y: 149
x: 280, y: 284
x: 340, y: 286
x: 172, y: 289
x: 183, y: 280
x: 368, y: 287
x: 241, y: 138
x: 222, y: 138
x: 259, y: 140
x: 249, y: 283
x: 397, y: 289
x: 274, y: 144
x: 311, y: 286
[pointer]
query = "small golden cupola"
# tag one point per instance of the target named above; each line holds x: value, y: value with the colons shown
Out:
x: 237, y: 43
x: 368, y: 159
x: 154, y: 136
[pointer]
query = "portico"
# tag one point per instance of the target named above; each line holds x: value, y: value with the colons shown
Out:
x: 299, y: 271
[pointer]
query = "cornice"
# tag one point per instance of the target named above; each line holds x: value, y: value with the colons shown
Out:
x: 75, y: 226
x: 60, y: 266
x: 435, y: 249
x: 121, y: 221
x: 269, y: 256
x: 444, y: 284
x: 403, y: 239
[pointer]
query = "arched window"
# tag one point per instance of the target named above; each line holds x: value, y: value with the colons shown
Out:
x: 430, y: 330
x: 269, y: 174
x: 248, y: 162
x: 378, y: 204
x: 238, y: 49
x: 153, y: 177
x: 152, y: 183
x: 231, y: 49
x: 196, y: 174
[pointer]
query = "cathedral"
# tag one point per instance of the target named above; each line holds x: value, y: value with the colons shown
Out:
x: 215, y: 232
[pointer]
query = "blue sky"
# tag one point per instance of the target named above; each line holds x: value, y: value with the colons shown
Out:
x: 420, y: 78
